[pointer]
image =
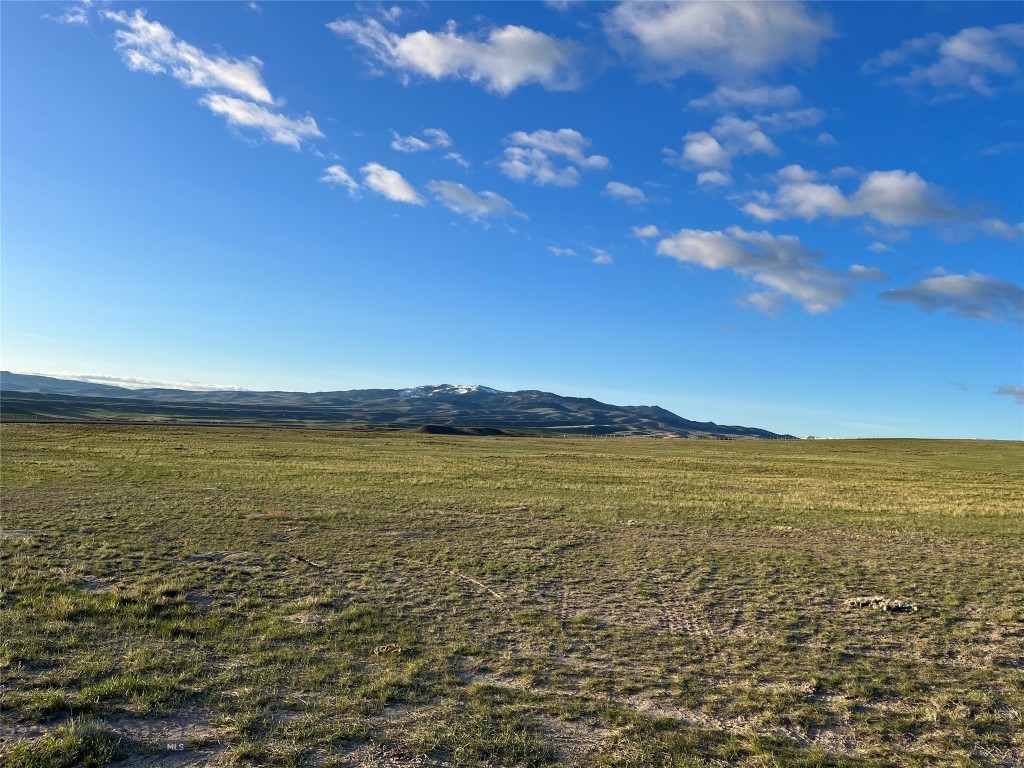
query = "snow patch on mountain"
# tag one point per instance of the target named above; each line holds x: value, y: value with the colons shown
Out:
x: 430, y: 390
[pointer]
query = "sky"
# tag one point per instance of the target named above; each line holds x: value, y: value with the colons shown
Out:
x: 807, y: 218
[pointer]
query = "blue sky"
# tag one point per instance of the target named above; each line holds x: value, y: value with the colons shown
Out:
x: 806, y: 218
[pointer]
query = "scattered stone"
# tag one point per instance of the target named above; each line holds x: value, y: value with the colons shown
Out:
x: 388, y: 648
x: 879, y: 603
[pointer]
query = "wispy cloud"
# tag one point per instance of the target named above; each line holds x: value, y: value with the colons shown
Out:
x: 975, y: 60
x: 1007, y: 390
x: 458, y: 159
x: 132, y: 382
x: 732, y: 41
x: 780, y: 262
x: 148, y: 46
x: 431, y: 138
x: 507, y: 58
x: 77, y: 14
x: 463, y: 200
x: 273, y: 126
x: 390, y: 184
x: 529, y: 156
x: 973, y: 296
x: 726, y: 97
x: 338, y: 176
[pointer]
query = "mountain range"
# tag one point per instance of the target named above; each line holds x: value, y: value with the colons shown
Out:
x: 440, y: 409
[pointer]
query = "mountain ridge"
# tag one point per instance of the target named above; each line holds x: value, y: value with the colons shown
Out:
x: 442, y: 406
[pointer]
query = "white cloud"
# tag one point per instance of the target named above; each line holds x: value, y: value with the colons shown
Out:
x: 461, y: 199
x: 338, y: 176
x: 73, y: 14
x: 728, y: 41
x: 601, y: 256
x: 255, y: 7
x: 827, y: 139
x: 795, y: 172
x: 561, y: 251
x: 726, y: 97
x: 433, y: 138
x: 390, y: 184
x: 867, y: 273
x: 408, y: 143
x: 1017, y: 393
x: 148, y: 46
x: 458, y: 159
x: 714, y: 178
x: 999, y: 228
x: 897, y: 197
x: 624, y: 192
x: 646, y: 232
x: 729, y: 136
x: 877, y: 247
x: 970, y: 60
x: 779, y: 262
x: 791, y: 120
x: 529, y: 156
x: 506, y: 59
x: 274, y: 126
x: 131, y: 382
x: 972, y: 296
x: 844, y: 172
x: 438, y: 138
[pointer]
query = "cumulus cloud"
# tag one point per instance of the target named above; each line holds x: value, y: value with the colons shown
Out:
x: 274, y: 126
x: 728, y: 41
x: 975, y: 59
x: 877, y: 247
x: 461, y: 199
x: 780, y: 262
x: 714, y: 178
x: 529, y: 156
x: 726, y: 97
x: 974, y: 296
x: 601, y: 256
x: 1017, y: 393
x: 625, y: 193
x: 432, y: 138
x: 390, y: 184
x: 897, y: 198
x: 646, y: 232
x: 506, y: 59
x: 729, y: 136
x: 148, y: 46
x: 561, y: 251
x: 338, y: 176
x: 826, y: 139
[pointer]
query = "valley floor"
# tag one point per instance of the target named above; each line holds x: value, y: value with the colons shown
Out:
x: 184, y: 596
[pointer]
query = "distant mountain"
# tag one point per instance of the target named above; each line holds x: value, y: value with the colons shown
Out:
x: 440, y: 409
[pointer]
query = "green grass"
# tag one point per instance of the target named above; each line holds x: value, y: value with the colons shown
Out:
x: 286, y: 597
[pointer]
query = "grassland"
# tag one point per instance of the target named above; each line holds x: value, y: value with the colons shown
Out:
x: 190, y: 596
